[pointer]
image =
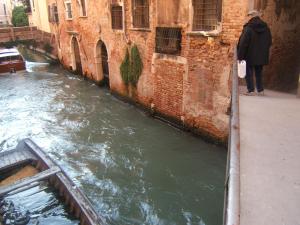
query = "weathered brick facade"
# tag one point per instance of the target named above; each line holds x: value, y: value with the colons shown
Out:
x: 193, y: 87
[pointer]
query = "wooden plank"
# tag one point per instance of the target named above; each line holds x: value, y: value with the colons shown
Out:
x: 15, y: 157
x: 19, y: 184
x: 81, y: 200
x: 34, y: 184
x: 39, y: 152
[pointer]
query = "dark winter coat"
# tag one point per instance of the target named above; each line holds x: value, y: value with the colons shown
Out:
x: 255, y: 42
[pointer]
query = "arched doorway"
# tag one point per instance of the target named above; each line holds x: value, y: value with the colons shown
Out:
x: 102, y: 63
x: 76, y: 64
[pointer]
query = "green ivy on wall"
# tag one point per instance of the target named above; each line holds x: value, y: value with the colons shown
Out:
x: 125, y: 68
x: 132, y: 66
x: 136, y: 65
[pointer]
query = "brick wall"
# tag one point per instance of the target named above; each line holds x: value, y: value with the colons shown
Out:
x: 17, y: 33
x: 28, y: 33
x: 283, y: 18
x: 193, y: 88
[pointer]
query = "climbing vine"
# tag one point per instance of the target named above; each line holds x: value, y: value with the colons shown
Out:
x: 125, y: 68
x: 136, y: 65
x: 132, y: 66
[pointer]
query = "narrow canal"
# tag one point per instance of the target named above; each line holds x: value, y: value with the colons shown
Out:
x: 135, y: 170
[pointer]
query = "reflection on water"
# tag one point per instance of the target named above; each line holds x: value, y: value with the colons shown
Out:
x: 38, y: 205
x: 135, y: 170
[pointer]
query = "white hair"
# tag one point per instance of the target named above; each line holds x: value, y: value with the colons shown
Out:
x: 254, y: 13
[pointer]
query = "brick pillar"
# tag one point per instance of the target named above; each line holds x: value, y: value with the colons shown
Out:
x: 12, y: 34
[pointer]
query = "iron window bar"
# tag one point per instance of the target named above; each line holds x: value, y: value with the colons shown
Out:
x: 168, y: 40
x: 206, y: 15
x: 140, y: 11
x: 117, y: 17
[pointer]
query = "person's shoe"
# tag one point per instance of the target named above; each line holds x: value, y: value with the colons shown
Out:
x: 249, y: 93
x: 261, y: 93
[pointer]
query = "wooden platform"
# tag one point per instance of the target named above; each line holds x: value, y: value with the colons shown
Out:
x: 14, y: 158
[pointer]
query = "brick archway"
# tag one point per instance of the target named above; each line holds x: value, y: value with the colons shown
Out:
x: 75, y: 56
x: 101, y: 61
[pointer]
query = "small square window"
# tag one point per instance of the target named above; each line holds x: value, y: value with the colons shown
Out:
x: 168, y: 40
x: 207, y: 14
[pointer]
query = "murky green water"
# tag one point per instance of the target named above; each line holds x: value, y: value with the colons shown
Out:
x: 135, y: 170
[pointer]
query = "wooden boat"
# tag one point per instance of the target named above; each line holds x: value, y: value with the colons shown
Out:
x: 28, y: 153
x: 11, y: 60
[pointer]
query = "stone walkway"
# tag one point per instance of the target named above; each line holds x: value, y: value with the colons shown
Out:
x: 270, y: 159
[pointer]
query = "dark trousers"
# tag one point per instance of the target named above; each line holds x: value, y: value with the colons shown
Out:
x: 258, y: 77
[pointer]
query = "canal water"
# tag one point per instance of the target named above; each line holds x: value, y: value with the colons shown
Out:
x: 134, y: 169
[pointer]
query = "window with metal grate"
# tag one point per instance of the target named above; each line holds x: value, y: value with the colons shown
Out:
x: 207, y: 14
x: 168, y: 40
x: 140, y: 13
x: 116, y: 17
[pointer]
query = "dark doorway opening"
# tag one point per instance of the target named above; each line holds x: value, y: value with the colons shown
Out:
x: 104, y: 60
x: 77, y: 59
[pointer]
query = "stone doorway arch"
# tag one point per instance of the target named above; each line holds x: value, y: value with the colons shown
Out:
x: 102, y: 66
x: 76, y: 60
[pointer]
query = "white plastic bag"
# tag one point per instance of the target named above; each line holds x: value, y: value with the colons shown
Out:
x: 242, y: 69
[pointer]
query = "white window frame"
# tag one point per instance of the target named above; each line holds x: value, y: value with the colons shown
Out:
x: 214, y: 32
x: 67, y: 11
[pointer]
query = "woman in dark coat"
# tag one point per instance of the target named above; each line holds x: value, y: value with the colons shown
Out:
x: 254, y: 47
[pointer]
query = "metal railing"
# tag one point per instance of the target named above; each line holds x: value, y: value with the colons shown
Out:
x: 232, y: 183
